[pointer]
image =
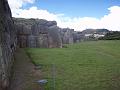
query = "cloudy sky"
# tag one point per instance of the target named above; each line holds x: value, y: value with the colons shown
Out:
x: 76, y: 14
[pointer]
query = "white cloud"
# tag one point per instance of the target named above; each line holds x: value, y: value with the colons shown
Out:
x: 110, y: 21
x: 81, y: 23
x: 34, y: 12
x: 16, y: 4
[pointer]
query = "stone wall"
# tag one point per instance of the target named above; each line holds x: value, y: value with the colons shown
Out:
x: 41, y: 33
x: 78, y: 37
x: 67, y: 35
x: 7, y: 43
x: 37, y: 33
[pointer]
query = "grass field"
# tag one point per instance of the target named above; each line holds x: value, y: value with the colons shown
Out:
x: 91, y: 65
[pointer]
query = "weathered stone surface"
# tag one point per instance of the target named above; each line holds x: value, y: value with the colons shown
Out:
x: 44, y: 34
x: 78, y: 37
x: 67, y: 35
x: 54, y: 37
x: 7, y: 43
x: 37, y: 33
x: 32, y: 41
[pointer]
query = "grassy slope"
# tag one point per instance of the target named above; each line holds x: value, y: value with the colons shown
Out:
x: 84, y: 66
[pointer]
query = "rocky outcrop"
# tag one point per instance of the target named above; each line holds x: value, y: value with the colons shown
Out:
x: 7, y: 43
x: 37, y: 33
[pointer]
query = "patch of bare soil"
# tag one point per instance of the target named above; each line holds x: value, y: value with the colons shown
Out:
x: 24, y: 74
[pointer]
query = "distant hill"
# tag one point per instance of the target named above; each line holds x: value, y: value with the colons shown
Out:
x: 97, y: 31
x: 113, y: 35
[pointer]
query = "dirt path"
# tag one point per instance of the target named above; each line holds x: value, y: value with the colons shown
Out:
x: 24, y: 74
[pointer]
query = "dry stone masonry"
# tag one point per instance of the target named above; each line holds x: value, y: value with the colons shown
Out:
x: 7, y: 43
x: 37, y: 33
x: 41, y: 33
x: 67, y: 35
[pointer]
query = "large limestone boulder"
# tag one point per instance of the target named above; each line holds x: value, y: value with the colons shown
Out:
x: 7, y: 43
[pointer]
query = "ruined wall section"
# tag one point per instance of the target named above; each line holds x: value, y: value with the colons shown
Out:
x: 67, y: 35
x: 7, y: 43
x: 37, y: 33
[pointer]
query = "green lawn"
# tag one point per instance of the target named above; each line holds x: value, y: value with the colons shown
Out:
x: 91, y: 65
